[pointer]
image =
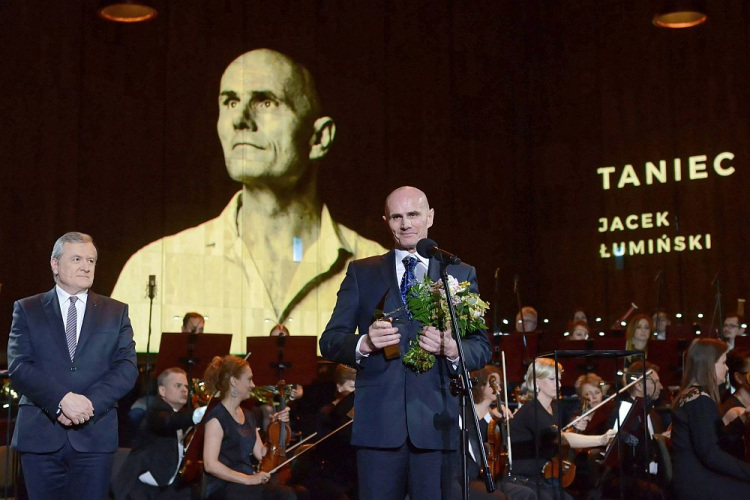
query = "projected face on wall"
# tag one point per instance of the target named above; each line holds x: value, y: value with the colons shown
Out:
x: 275, y: 254
x: 265, y: 118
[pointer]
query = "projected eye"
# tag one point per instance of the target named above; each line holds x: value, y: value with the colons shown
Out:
x: 266, y: 104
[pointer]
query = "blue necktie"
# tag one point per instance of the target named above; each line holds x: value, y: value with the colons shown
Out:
x: 408, y: 279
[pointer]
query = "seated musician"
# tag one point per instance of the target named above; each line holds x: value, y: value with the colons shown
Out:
x: 331, y: 472
x: 661, y: 321
x: 530, y: 320
x: 734, y: 408
x: 580, y: 314
x: 151, y: 467
x: 488, y: 381
x: 296, y: 391
x: 732, y: 328
x: 534, y: 430
x: 579, y: 330
x: 193, y: 322
x: 637, y: 335
x: 638, y: 455
x: 701, y: 469
x: 591, y: 390
x: 231, y: 437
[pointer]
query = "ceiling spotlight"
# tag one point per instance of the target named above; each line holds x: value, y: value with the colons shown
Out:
x: 680, y: 14
x: 127, y: 11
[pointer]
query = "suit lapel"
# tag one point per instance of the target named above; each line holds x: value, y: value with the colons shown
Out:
x: 51, y: 306
x: 433, y: 270
x: 89, y: 320
x: 388, y: 276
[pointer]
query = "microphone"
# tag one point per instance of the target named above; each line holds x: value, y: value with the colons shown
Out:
x: 428, y: 248
x: 658, y: 275
x: 151, y: 286
x: 515, y: 283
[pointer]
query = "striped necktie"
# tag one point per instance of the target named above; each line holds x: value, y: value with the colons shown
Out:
x: 70, y: 327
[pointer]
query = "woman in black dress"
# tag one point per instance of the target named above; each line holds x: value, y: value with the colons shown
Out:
x: 231, y: 437
x: 701, y: 469
x: 533, y: 430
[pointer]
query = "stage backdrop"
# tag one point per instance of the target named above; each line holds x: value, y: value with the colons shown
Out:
x: 572, y: 144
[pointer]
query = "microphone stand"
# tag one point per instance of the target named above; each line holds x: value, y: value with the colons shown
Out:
x: 151, y: 296
x: 717, y: 310
x: 517, y: 291
x: 462, y: 387
x: 660, y: 279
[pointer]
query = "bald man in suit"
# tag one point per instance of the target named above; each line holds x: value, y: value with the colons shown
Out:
x: 406, y: 425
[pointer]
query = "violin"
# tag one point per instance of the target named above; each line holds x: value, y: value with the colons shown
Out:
x: 279, y: 435
x: 497, y: 458
x: 561, y: 467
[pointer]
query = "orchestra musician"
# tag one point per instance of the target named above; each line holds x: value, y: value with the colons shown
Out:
x: 488, y: 381
x: 332, y: 474
x: 700, y: 468
x: 534, y: 431
x: 637, y: 455
x: 734, y: 408
x: 591, y: 390
x: 732, y: 328
x: 638, y: 334
x: 579, y: 330
x: 193, y: 322
x: 151, y: 468
x: 530, y: 320
x: 580, y: 314
x: 661, y: 321
x: 231, y: 437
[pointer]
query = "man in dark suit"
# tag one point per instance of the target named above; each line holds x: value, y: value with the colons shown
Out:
x: 71, y: 355
x: 406, y: 423
x: 150, y: 470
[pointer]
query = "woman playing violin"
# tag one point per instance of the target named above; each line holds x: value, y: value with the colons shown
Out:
x: 534, y: 432
x: 591, y: 390
x: 231, y: 437
x: 485, y: 393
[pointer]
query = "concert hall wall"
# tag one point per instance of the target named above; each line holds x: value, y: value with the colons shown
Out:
x: 511, y: 116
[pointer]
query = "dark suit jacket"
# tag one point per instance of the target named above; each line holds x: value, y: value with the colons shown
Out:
x: 157, y: 451
x: 104, y: 370
x: 391, y: 400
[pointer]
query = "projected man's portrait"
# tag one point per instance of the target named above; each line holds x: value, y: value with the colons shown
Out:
x: 274, y: 255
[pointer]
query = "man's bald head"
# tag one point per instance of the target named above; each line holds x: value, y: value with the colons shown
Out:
x: 270, y: 124
x: 409, y: 216
x: 297, y: 80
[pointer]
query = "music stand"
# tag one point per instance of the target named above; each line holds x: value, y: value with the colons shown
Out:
x: 293, y: 359
x: 192, y: 352
x: 516, y: 369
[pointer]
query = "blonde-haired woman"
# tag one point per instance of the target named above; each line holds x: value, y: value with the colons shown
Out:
x: 534, y: 430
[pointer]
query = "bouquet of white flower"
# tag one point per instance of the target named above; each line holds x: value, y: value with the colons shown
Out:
x: 428, y: 305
